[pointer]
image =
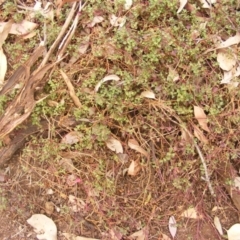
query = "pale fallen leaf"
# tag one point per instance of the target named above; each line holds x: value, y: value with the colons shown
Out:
x: 207, y: 3
x: 43, y: 226
x: 230, y: 41
x: 49, y: 191
x: 49, y: 208
x: 234, y: 232
x: 172, y: 226
x: 226, y: 60
x: 172, y: 74
x: 230, y: 75
x: 216, y: 208
x: 5, y: 29
x: 23, y: 27
x: 76, y: 204
x: 201, y: 118
x: 134, y: 168
x: 114, y: 145
x: 199, y: 135
x: 83, y: 47
x: 140, y: 235
x: 105, y: 79
x: 96, y: 19
x: 236, y: 183
x: 133, y: 144
x: 117, y: 21
x: 164, y: 237
x: 182, y: 5
x: 218, y: 225
x: 148, y: 94
x: 3, y: 66
x: 70, y: 236
x: 71, y: 138
x: 67, y: 164
x: 128, y: 4
x: 190, y: 213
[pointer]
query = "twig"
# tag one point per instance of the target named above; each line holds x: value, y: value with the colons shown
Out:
x: 61, y: 34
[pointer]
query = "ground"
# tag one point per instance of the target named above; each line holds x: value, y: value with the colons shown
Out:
x: 129, y: 123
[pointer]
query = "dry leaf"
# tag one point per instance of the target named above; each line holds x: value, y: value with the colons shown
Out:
x: 201, y: 118
x: 49, y: 207
x: 172, y: 226
x: 134, y: 168
x: 133, y: 144
x: 236, y: 183
x: 105, y: 79
x: 148, y: 94
x: 207, y: 3
x: 226, y: 60
x: 182, y: 5
x: 96, y: 19
x: 190, y: 213
x: 5, y: 29
x: 117, y: 21
x: 67, y: 164
x: 230, y: 41
x: 199, y: 135
x: 83, y: 47
x: 73, y: 180
x: 234, y: 232
x: 140, y: 235
x: 71, y: 89
x: 218, y: 225
x: 172, y: 74
x: 128, y: 4
x: 76, y: 204
x: 71, y: 138
x: 114, y: 145
x: 43, y: 226
x: 3, y: 66
x: 23, y: 27
x: 164, y: 237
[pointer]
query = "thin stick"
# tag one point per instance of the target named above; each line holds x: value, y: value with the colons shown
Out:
x: 60, y: 35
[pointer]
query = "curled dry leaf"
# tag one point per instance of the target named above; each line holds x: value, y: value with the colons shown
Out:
x: 73, y: 180
x: 114, y: 145
x: 148, y: 94
x: 5, y: 29
x: 172, y: 226
x: 218, y: 225
x: 226, y: 60
x: 201, y: 118
x: 182, y: 5
x: 140, y: 235
x: 234, y: 232
x: 43, y: 226
x: 236, y: 183
x: 70, y: 236
x: 83, y: 47
x: 190, y: 213
x: 134, y: 168
x: 71, y: 89
x: 230, y: 41
x: 105, y: 79
x: 230, y: 75
x: 71, y: 138
x: 199, y: 135
x: 117, y: 21
x: 133, y: 144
